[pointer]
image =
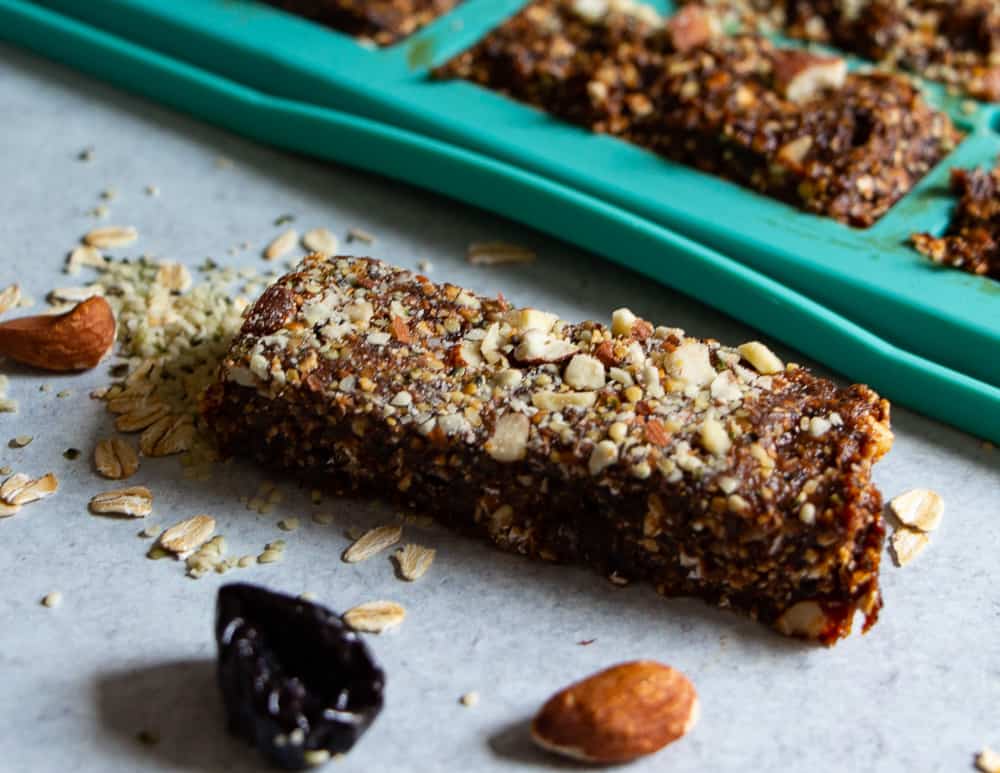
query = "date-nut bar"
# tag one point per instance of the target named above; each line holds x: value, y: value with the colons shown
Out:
x: 650, y: 455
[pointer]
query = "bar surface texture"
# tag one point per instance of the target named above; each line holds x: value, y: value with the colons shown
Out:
x: 383, y: 22
x: 649, y: 455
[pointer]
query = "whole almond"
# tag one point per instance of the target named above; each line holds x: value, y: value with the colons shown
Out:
x: 619, y: 714
x: 76, y: 340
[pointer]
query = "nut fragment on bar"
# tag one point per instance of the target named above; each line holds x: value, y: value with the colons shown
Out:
x: 619, y: 714
x: 185, y: 537
x: 375, y: 616
x: 710, y: 503
x: 801, y: 76
x: 134, y: 502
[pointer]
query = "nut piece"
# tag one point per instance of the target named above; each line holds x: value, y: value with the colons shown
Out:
x: 76, y: 340
x: 371, y: 542
x: 111, y: 236
x: 509, y: 442
x: 619, y: 714
x: 135, y: 502
x: 19, y: 489
x: 115, y: 458
x: 183, y: 538
x: 537, y: 348
x: 805, y: 619
x: 800, y: 75
x: 763, y: 360
x: 320, y: 240
x: 907, y: 544
x: 375, y: 616
x: 585, y: 372
x: 414, y: 561
x: 692, y: 26
x: 169, y: 435
x: 281, y: 245
x: 919, y: 509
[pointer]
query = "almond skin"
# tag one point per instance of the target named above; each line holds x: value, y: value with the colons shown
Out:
x: 76, y: 340
x: 617, y: 715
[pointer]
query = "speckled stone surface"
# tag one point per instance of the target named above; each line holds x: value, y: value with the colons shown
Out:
x: 130, y: 648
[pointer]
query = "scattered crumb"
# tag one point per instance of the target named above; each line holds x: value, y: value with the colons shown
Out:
x: 53, y: 599
x: 87, y: 154
x: 221, y: 162
x: 497, y: 254
x: 586, y: 642
x: 907, y: 544
x: 281, y: 245
x: 152, y: 190
x: 323, y: 519
x: 284, y: 219
x: 109, y: 194
x: 375, y: 616
x: 470, y: 699
x: 425, y: 266
x: 63, y: 393
x: 288, y: 524
x: 20, y: 441
x: 71, y: 454
x: 371, y: 542
x: 988, y: 761
x: 360, y: 235
x: 308, y: 596
x: 920, y: 509
x: 414, y: 561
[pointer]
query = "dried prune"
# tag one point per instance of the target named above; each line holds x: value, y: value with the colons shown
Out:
x: 296, y: 682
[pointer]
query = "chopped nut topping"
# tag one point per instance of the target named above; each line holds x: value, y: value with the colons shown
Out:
x: 919, y: 509
x: 115, y: 458
x: 509, y: 442
x: 414, y: 561
x: 375, y: 616
x: 763, y: 360
x: 371, y: 542
x: 135, y: 502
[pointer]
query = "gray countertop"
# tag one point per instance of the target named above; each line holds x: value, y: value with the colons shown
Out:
x: 131, y: 649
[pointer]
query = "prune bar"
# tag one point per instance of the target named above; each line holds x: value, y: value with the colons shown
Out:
x: 972, y: 241
x: 650, y: 455
x: 793, y: 125
x: 381, y: 21
x: 954, y: 41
